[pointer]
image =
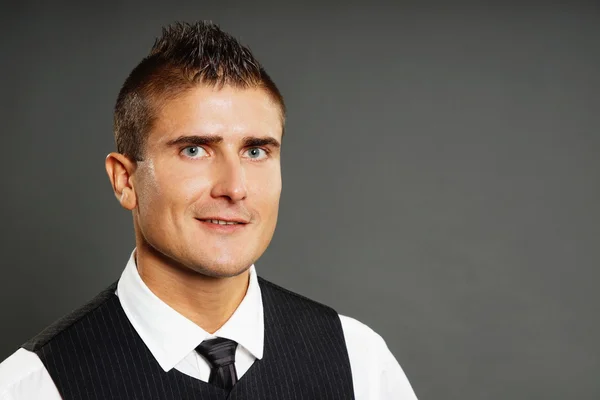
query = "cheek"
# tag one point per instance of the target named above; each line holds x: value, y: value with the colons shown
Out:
x: 267, y: 191
x: 147, y: 188
x: 171, y: 190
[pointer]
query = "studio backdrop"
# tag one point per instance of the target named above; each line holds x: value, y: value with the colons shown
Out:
x: 441, y: 176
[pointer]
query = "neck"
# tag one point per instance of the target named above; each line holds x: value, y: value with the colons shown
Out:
x: 207, y: 301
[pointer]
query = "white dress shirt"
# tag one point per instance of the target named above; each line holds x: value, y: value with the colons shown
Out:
x: 172, y: 340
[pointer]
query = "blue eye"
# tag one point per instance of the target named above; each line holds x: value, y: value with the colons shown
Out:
x: 193, y: 151
x: 256, y: 153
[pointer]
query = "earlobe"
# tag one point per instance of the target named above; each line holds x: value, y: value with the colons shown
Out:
x: 119, y: 169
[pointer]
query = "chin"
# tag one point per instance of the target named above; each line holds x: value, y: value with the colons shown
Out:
x: 221, y: 269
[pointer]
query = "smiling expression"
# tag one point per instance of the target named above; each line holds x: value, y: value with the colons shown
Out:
x: 209, y: 184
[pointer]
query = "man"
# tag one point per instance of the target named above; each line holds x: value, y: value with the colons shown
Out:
x: 198, y: 128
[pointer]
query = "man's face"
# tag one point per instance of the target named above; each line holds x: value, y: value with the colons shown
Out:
x: 208, y: 188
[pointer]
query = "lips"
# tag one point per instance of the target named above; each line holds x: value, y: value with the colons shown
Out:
x: 224, y: 220
x: 221, y: 222
x: 223, y: 225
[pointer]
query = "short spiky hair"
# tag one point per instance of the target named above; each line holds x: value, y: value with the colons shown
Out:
x: 184, y: 56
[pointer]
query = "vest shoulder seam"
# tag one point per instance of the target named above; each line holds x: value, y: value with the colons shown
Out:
x: 68, y: 320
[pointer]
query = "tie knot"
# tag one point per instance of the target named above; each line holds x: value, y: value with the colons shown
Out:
x: 218, y: 352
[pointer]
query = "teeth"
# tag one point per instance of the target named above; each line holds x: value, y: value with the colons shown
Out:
x: 219, y: 222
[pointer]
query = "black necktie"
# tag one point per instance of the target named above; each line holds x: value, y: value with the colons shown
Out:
x: 220, y: 354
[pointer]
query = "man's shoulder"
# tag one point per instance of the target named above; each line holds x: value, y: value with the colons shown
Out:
x: 20, y: 365
x: 360, y: 330
x: 23, y: 376
x: 69, y: 320
x: 363, y: 342
x: 379, y: 375
x: 354, y: 330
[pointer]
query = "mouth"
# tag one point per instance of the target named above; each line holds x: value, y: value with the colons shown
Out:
x: 222, y: 224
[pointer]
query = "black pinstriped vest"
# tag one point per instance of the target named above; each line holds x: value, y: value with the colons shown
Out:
x: 95, y: 353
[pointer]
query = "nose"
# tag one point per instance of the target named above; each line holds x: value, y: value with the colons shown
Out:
x: 230, y: 180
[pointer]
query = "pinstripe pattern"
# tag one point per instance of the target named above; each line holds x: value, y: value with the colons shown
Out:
x: 94, y: 353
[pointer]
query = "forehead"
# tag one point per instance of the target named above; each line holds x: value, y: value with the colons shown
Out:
x: 228, y: 111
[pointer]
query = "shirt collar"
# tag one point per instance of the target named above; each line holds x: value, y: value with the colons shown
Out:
x: 170, y: 336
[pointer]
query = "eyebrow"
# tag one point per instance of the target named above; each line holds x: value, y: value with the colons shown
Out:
x: 251, y: 141
x: 248, y: 141
x: 195, y: 140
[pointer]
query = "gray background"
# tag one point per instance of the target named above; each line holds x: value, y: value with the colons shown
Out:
x: 440, y: 165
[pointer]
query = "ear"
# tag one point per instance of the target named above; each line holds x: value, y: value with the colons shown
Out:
x: 120, y: 170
